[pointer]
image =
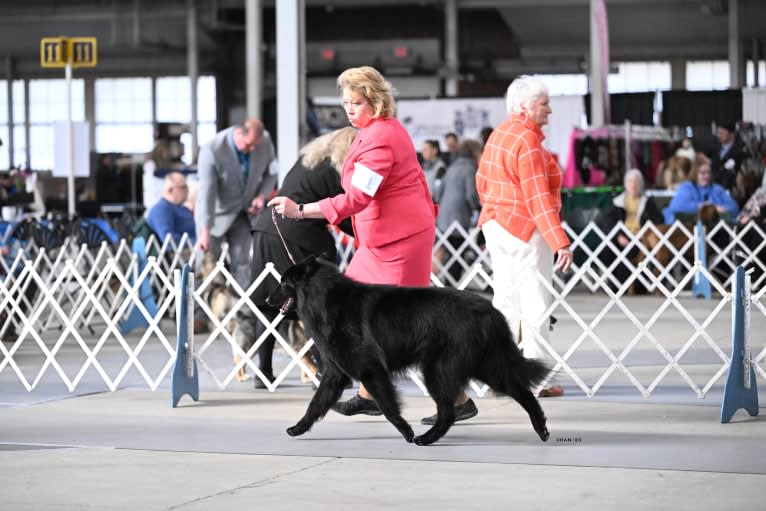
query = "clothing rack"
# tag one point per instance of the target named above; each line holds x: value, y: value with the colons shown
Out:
x: 630, y: 132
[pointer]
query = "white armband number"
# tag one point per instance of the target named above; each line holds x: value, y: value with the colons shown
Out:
x: 366, y: 179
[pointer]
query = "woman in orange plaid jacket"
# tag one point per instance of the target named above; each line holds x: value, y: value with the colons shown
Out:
x: 519, y: 184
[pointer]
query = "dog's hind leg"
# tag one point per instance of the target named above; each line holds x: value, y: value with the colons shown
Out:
x: 529, y: 402
x: 328, y: 393
x: 382, y: 390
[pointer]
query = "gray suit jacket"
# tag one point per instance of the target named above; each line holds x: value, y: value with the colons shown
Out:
x: 459, y: 198
x: 222, y: 193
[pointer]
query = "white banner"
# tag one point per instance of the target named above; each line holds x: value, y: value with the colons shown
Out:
x: 433, y: 118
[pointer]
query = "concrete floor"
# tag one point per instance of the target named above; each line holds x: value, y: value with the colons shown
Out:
x: 130, y: 450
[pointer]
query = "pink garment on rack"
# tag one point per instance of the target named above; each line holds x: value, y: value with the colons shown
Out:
x: 597, y: 177
x: 571, y: 175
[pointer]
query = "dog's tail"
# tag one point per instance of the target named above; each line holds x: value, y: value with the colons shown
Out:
x: 537, y: 370
x: 512, y: 368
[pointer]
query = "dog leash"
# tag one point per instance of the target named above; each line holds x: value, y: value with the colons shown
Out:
x: 276, y: 224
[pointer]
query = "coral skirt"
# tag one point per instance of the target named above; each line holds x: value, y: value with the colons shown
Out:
x: 405, y: 262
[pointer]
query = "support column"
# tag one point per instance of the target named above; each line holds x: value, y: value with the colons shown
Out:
x: 90, y: 110
x: 192, y: 54
x: 302, y: 89
x: 450, y: 48
x: 288, y: 83
x: 599, y: 64
x: 678, y: 74
x: 9, y: 96
x: 253, y: 64
x: 736, y: 67
x: 136, y: 24
x: 154, y: 101
x: 28, y: 148
x: 756, y: 61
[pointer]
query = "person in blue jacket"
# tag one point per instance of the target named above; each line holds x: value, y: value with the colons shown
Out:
x: 169, y: 216
x: 698, y: 191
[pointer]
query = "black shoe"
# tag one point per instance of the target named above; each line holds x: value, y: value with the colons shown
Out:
x: 258, y: 383
x: 462, y: 412
x: 357, y: 405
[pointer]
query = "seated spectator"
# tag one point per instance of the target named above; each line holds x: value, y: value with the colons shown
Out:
x: 698, y: 191
x: 754, y: 212
x: 633, y: 208
x: 433, y: 166
x: 674, y: 171
x: 755, y: 207
x: 686, y: 149
x: 169, y: 216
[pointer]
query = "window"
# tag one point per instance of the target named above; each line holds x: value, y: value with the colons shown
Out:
x: 174, y: 105
x: 4, y: 156
x: 47, y: 104
x: 707, y: 75
x: 19, y: 133
x: 761, y: 74
x: 123, y: 111
x: 640, y: 77
x: 565, y: 84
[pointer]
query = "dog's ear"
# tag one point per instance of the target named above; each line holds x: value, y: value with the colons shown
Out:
x: 311, y: 265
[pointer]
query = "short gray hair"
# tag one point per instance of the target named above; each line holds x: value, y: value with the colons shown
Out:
x: 522, y: 90
x: 634, y: 172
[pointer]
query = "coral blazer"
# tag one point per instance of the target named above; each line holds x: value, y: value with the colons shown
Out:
x: 519, y: 183
x: 388, y: 199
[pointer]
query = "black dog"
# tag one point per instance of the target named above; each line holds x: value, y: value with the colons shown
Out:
x: 368, y: 332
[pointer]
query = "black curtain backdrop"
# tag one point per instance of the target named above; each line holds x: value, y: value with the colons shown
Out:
x: 698, y: 108
x: 636, y: 107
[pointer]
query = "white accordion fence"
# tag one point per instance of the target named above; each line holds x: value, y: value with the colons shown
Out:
x: 624, y: 317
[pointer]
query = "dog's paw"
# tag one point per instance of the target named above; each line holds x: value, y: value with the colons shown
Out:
x: 422, y: 440
x: 544, y: 434
x: 297, y: 430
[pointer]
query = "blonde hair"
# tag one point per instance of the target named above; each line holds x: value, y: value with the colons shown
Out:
x: 368, y: 82
x: 700, y: 159
x: 333, y: 145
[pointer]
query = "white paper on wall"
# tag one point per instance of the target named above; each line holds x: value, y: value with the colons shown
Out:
x: 81, y: 149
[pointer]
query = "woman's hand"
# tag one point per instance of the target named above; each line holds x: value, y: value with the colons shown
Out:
x: 284, y: 206
x: 563, y: 259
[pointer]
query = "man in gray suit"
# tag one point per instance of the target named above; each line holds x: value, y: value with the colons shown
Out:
x: 237, y: 171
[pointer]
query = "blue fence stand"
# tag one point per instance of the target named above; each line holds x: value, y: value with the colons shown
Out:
x: 740, y: 390
x: 700, y: 283
x: 135, y: 319
x: 185, y: 377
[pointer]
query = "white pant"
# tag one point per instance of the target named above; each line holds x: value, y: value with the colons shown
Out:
x: 519, y: 291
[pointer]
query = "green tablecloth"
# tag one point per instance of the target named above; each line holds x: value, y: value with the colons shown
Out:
x: 587, y: 197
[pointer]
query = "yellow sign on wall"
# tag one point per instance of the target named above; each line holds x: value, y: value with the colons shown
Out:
x: 59, y: 51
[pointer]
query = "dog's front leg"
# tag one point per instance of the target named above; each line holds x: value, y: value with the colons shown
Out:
x: 329, y: 391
